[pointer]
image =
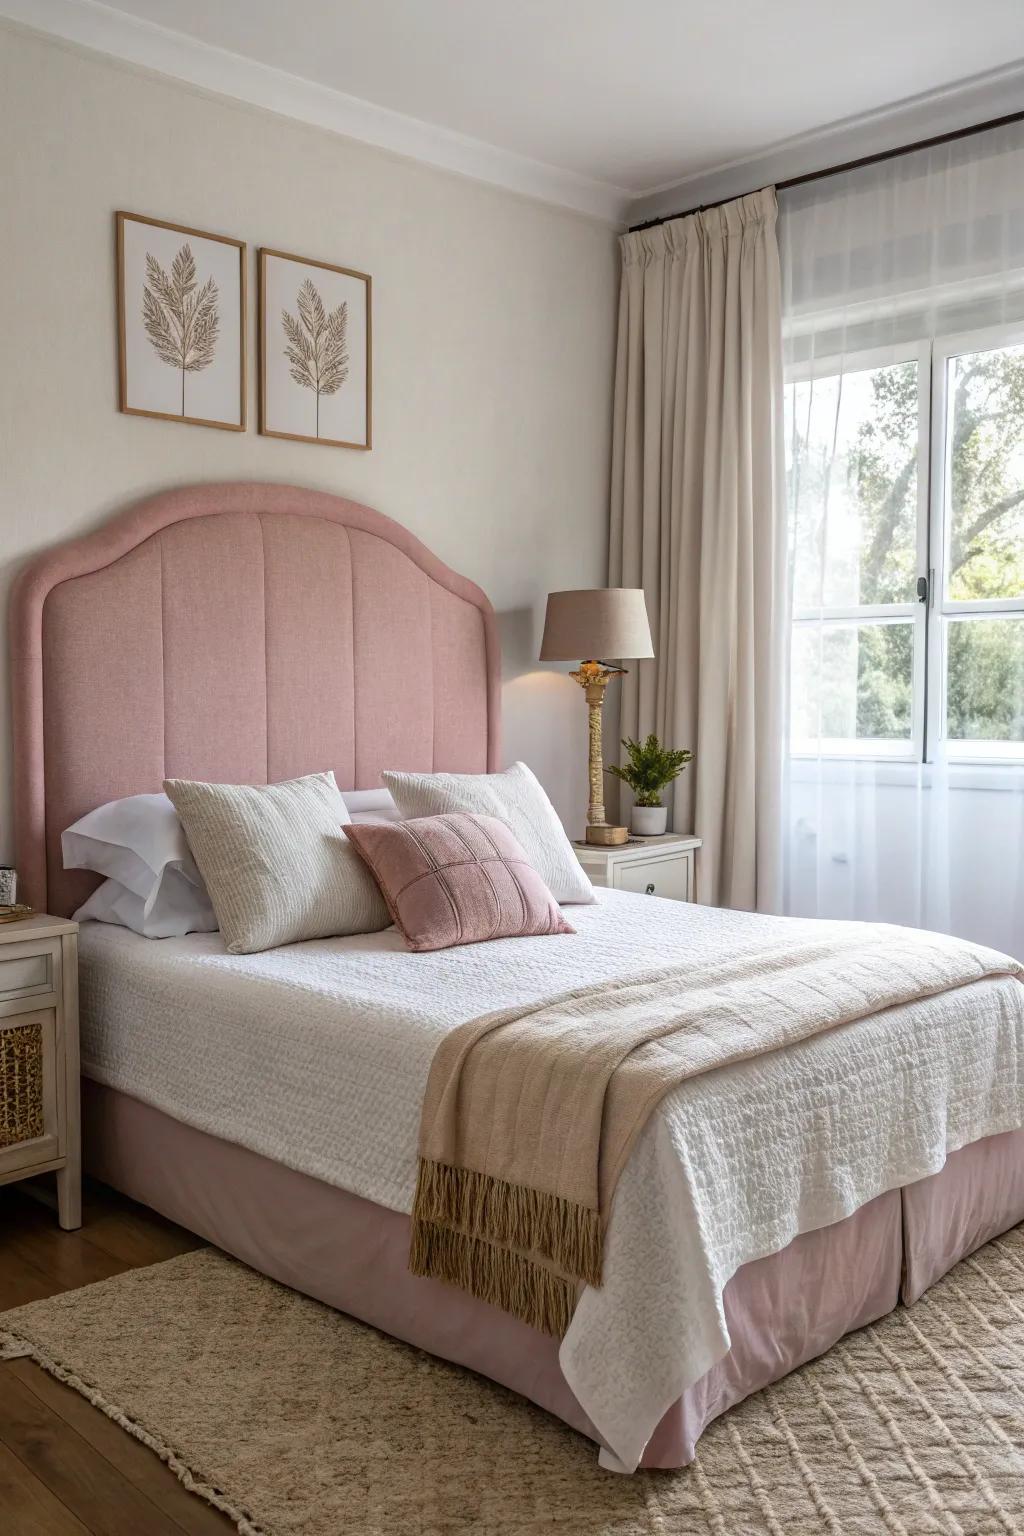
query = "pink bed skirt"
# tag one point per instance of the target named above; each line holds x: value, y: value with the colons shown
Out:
x: 351, y: 1254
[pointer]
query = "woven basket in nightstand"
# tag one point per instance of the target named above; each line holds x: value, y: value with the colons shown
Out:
x: 21, y: 1083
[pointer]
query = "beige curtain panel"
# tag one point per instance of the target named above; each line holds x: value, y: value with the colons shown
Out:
x: 697, y: 521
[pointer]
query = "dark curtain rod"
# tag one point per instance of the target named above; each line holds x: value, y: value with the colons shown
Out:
x: 848, y: 165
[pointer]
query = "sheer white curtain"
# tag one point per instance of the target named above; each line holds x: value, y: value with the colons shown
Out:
x: 903, y: 313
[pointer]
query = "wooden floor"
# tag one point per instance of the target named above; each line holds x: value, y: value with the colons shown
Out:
x: 65, y: 1468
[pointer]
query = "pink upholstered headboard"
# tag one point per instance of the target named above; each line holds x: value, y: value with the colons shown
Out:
x: 241, y: 633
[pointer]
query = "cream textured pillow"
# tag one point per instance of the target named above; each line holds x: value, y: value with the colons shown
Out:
x: 275, y: 861
x: 517, y: 799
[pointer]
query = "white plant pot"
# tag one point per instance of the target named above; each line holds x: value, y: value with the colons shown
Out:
x: 648, y: 820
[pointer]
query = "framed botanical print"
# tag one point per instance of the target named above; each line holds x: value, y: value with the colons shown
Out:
x: 181, y: 323
x: 315, y: 351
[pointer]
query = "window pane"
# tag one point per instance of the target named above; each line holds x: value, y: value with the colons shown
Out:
x: 852, y: 682
x: 985, y: 442
x: 985, y: 679
x: 852, y: 444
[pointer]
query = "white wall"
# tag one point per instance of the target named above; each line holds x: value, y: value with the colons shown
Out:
x: 493, y: 347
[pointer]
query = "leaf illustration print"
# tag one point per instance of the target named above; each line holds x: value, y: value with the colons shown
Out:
x: 317, y: 344
x: 181, y: 319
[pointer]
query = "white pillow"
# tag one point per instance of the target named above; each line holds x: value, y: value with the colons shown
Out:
x: 139, y: 844
x: 370, y: 805
x: 181, y: 908
x: 516, y: 798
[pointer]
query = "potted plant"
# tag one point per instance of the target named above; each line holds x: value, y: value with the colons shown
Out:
x: 650, y: 767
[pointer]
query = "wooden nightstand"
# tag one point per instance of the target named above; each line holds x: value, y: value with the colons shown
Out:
x: 39, y: 1089
x: 651, y: 866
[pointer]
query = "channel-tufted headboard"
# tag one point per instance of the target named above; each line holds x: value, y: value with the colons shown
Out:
x: 240, y: 633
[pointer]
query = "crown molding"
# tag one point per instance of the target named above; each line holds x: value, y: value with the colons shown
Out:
x: 101, y: 29
x: 998, y: 93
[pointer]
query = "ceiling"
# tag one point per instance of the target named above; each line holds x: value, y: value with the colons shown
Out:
x: 631, y: 94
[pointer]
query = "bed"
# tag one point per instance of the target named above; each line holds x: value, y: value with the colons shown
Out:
x: 250, y: 633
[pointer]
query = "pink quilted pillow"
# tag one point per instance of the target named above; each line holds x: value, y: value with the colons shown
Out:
x: 456, y: 879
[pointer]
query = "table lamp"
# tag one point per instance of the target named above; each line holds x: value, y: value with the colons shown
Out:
x: 608, y: 621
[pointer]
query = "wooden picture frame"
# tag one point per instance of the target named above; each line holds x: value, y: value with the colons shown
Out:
x: 293, y: 351
x: 151, y: 339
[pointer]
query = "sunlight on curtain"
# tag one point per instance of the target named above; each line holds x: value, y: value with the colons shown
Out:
x: 903, y: 303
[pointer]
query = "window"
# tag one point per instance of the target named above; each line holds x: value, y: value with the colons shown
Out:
x: 976, y: 650
x: 906, y: 497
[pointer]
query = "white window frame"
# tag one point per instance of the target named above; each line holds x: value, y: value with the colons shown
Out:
x: 910, y: 749
x: 928, y: 739
x: 942, y: 608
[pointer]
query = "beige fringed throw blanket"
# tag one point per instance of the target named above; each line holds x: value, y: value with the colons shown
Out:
x: 529, y: 1116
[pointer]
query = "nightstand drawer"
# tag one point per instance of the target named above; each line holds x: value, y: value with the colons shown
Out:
x: 29, y: 1120
x: 649, y: 866
x: 668, y: 877
x: 29, y: 971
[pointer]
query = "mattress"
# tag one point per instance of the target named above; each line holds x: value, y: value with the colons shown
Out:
x: 317, y: 1056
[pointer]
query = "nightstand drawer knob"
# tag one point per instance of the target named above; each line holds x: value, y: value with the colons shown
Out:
x: 649, y: 888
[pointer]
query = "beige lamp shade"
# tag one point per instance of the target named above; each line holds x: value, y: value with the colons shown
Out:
x: 595, y: 624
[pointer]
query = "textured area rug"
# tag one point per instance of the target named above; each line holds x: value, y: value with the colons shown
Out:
x: 300, y: 1422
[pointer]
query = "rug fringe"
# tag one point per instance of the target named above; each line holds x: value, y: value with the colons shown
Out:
x: 22, y: 1348
x: 507, y: 1279
x: 479, y: 1205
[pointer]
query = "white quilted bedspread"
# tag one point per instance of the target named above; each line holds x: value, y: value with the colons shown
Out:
x: 317, y: 1055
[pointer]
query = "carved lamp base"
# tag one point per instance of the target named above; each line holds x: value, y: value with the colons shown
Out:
x: 607, y: 836
x: 593, y: 677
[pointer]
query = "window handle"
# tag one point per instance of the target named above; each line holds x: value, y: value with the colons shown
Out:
x: 922, y: 589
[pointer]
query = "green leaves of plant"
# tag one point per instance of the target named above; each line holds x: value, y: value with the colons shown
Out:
x: 650, y: 767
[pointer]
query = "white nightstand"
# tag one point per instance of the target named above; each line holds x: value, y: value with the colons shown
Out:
x: 651, y: 866
x: 39, y: 1089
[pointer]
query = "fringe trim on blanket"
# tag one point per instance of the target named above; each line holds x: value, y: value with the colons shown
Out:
x: 505, y: 1278
x: 529, y: 1220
